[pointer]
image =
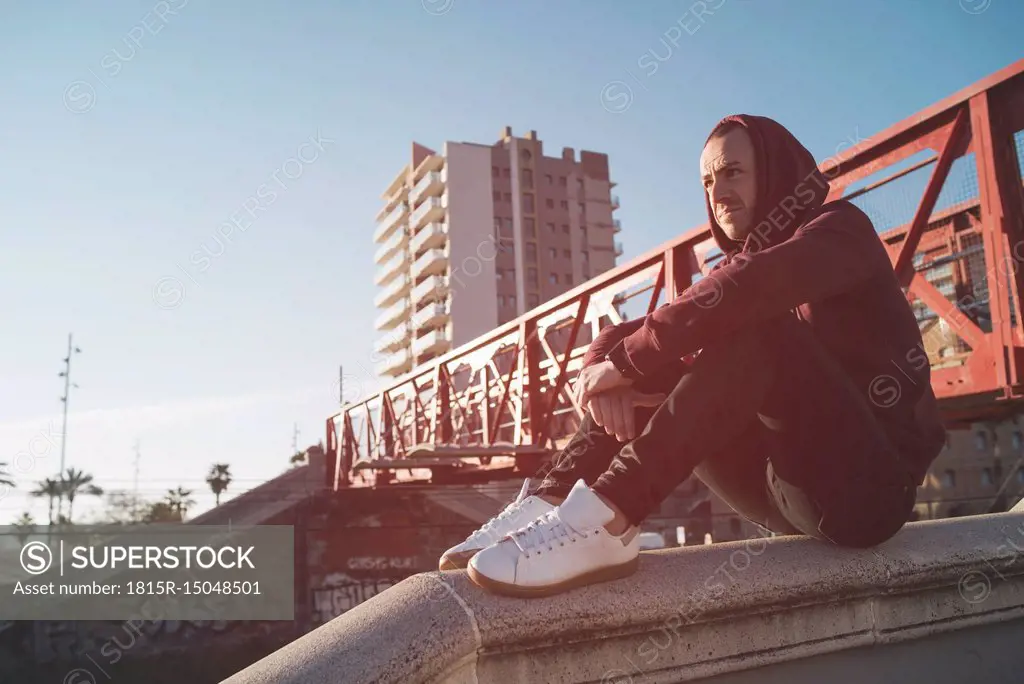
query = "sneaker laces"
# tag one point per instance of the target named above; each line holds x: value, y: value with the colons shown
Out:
x: 486, y: 530
x: 545, y: 531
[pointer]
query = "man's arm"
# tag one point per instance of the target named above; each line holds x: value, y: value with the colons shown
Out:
x: 831, y: 254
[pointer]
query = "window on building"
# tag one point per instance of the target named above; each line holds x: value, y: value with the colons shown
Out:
x: 565, y: 228
x: 562, y: 181
x: 531, y: 276
x: 527, y: 178
x: 549, y: 203
x: 553, y: 278
x: 568, y: 279
x: 579, y: 184
x: 525, y: 155
x: 586, y: 256
x: 512, y: 301
x: 980, y: 441
x: 501, y: 300
x: 531, y: 251
x: 551, y: 228
x: 532, y: 301
x: 949, y: 479
x: 567, y: 253
x: 986, y: 477
x: 583, y: 207
x: 496, y: 195
x: 506, y: 172
x: 495, y: 171
x: 506, y: 227
x: 564, y: 204
x: 552, y: 252
x: 586, y: 272
x: 507, y: 196
x: 530, y: 227
x: 499, y: 273
x: 497, y: 225
x: 528, y: 203
x: 548, y: 178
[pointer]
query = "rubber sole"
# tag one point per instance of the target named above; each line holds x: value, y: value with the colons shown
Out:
x: 606, y: 574
x: 455, y: 562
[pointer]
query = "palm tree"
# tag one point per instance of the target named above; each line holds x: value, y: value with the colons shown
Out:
x: 75, y: 483
x: 180, y: 500
x: 219, y: 479
x: 161, y: 512
x: 51, y: 489
x: 5, y: 479
x: 23, y: 527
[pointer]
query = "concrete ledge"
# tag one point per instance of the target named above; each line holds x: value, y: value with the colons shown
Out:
x: 688, y: 613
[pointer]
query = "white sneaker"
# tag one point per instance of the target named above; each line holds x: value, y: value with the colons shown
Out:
x: 565, y: 548
x: 516, y: 515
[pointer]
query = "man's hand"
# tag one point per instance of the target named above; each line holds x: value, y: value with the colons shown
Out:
x: 615, y: 410
x: 598, y: 378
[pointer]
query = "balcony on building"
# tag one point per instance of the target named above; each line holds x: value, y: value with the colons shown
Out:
x: 618, y: 249
x: 390, y: 270
x: 432, y: 262
x: 391, y: 199
x: 391, y: 222
x: 395, y: 363
x: 615, y: 202
x: 397, y: 289
x: 394, y: 339
x: 432, y: 288
x: 392, y: 316
x: 430, y: 235
x: 430, y: 185
x: 430, y: 316
x: 432, y: 209
x: 432, y: 163
x: 616, y: 226
x: 432, y: 342
x: 397, y: 185
x: 391, y: 246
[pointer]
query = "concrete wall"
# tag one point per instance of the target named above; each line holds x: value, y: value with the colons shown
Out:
x: 925, y: 606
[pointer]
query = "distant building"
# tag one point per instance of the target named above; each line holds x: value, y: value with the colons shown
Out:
x: 978, y: 470
x: 476, y: 236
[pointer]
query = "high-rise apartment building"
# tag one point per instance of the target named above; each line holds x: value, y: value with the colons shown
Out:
x: 480, y: 234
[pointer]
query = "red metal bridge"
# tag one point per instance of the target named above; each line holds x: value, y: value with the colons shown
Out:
x: 943, y: 188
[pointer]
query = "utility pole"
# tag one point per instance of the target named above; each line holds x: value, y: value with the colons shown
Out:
x: 66, y: 374
x: 135, y: 484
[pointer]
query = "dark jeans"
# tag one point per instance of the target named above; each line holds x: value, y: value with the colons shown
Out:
x: 771, y: 423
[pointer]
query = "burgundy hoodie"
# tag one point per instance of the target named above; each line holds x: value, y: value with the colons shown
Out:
x: 825, y: 263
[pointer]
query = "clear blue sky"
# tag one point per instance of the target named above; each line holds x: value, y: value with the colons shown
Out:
x: 189, y: 114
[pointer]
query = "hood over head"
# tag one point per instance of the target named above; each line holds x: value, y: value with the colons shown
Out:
x: 789, y: 185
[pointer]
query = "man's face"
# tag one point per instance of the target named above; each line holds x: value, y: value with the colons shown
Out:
x: 729, y: 174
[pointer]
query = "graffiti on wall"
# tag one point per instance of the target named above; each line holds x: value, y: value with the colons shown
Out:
x: 341, y: 593
x: 382, y: 563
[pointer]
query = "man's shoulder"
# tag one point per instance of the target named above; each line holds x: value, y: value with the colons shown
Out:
x: 840, y: 212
